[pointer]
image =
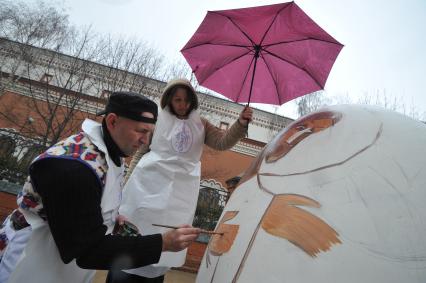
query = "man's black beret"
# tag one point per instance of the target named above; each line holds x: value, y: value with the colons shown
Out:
x: 131, y: 105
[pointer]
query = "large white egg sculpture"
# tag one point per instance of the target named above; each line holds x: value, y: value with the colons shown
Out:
x: 337, y: 196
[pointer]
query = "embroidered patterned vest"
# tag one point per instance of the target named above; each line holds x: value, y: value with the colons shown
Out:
x: 77, y: 147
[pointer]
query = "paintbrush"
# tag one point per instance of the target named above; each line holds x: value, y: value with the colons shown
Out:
x: 202, y: 230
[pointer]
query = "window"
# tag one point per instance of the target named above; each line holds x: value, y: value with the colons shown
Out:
x: 29, y: 156
x: 224, y: 125
x: 46, y: 78
x: 105, y: 94
x: 7, y: 146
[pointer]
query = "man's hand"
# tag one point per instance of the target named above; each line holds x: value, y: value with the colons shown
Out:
x: 124, y: 228
x: 178, y: 239
x: 245, y: 116
x: 121, y: 219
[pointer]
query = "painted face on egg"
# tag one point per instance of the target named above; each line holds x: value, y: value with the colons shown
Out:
x: 335, y: 196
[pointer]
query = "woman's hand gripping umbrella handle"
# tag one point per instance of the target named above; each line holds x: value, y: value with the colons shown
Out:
x: 246, y: 117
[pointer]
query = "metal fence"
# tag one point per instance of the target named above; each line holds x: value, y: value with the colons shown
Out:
x: 211, y: 201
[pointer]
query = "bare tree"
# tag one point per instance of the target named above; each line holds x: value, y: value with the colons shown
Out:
x: 53, y: 75
x: 128, y: 63
x: 38, y: 24
x: 316, y: 100
x: 311, y: 102
x: 391, y: 102
x: 35, y: 24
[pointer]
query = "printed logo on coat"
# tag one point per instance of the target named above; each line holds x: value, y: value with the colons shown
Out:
x: 182, y: 138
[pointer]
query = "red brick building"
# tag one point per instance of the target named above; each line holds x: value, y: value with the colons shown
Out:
x: 38, y: 108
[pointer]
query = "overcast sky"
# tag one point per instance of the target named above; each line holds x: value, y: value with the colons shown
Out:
x: 385, y: 41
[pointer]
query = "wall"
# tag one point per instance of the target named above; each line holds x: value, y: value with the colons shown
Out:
x: 7, y: 204
x: 223, y: 165
x: 220, y: 166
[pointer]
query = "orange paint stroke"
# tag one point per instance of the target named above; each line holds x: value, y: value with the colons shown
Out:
x: 289, y: 138
x: 303, y: 229
x: 298, y: 131
x: 220, y: 244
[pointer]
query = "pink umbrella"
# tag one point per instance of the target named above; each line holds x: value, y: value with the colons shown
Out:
x: 268, y: 54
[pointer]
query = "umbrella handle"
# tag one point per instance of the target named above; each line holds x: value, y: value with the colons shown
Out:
x: 257, y: 49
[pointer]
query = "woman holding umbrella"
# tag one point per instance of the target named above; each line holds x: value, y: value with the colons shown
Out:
x: 163, y: 185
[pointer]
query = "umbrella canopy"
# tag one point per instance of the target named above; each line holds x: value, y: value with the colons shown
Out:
x: 268, y: 54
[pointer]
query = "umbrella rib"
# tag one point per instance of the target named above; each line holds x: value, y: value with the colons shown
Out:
x: 234, y: 59
x: 272, y: 22
x: 217, y: 44
x: 299, y: 40
x: 238, y: 27
x: 275, y: 82
x: 245, y: 78
x: 310, y: 75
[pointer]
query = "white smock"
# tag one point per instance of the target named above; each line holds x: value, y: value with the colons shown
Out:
x: 41, y: 261
x: 164, y: 186
x: 17, y: 241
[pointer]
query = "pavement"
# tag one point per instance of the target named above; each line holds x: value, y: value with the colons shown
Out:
x: 173, y: 276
